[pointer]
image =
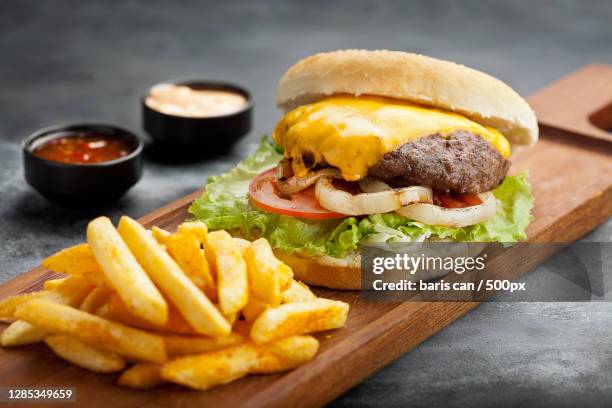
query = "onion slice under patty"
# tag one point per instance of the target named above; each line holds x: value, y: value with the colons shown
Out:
x: 452, y: 217
x: 340, y: 201
x: 292, y: 185
x: 373, y: 185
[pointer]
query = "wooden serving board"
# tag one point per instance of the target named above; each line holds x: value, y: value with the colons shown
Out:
x: 572, y: 183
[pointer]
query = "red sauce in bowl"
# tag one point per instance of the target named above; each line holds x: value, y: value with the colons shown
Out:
x: 83, y: 148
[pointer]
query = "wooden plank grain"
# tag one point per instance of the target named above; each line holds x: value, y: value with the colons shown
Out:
x: 572, y: 183
x: 580, y: 103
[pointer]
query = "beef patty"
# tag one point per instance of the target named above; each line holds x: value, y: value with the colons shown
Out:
x: 462, y: 163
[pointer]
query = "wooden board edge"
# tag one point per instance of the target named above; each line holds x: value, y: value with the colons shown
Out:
x: 575, y: 104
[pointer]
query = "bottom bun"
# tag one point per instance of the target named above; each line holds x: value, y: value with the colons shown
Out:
x: 345, y: 273
x: 325, y: 271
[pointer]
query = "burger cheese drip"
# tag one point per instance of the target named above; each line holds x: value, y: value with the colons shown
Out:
x: 353, y: 133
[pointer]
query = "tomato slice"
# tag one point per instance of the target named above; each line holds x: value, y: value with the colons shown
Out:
x: 264, y: 194
x: 469, y: 199
x: 456, y: 200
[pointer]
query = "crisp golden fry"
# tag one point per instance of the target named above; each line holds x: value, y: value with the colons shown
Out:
x: 93, y: 330
x: 20, y: 333
x: 195, y: 307
x: 90, y: 318
x: 124, y: 273
x: 177, y: 345
x: 117, y: 311
x: 76, y: 260
x: 299, y: 318
x: 196, y: 228
x: 160, y: 235
x: 232, y: 318
x: 187, y: 251
x: 70, y: 291
x: 264, y: 272
x: 52, y: 284
x: 284, y: 354
x: 253, y: 309
x: 297, y: 292
x: 83, y: 355
x: 212, y: 368
x: 206, y: 370
x: 141, y: 376
x: 243, y: 244
x: 231, y: 270
x: 9, y: 304
x: 285, y: 277
x: 95, y: 299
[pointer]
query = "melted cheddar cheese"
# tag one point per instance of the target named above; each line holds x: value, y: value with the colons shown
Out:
x: 353, y: 133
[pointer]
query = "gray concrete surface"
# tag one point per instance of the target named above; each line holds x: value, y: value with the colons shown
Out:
x: 63, y: 61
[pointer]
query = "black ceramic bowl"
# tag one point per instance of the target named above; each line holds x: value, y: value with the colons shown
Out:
x: 82, y: 185
x: 198, y: 136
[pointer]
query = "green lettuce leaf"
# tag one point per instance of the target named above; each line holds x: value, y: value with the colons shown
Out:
x: 225, y: 205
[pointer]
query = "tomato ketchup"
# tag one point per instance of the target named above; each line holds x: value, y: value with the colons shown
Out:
x: 83, y: 148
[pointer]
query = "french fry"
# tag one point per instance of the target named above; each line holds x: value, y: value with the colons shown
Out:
x: 160, y: 235
x: 117, y: 311
x: 9, y: 304
x: 212, y: 368
x: 299, y: 318
x: 95, y: 299
x: 197, y: 228
x: 96, y: 317
x: 253, y: 309
x: 141, y: 376
x: 264, y: 272
x: 53, y: 283
x: 93, y: 330
x: 20, y: 333
x: 124, y: 273
x: 76, y: 260
x: 206, y: 370
x: 186, y: 250
x: 243, y: 244
x: 70, y: 291
x: 83, y: 355
x: 284, y: 354
x: 285, y: 277
x: 195, y: 307
x: 233, y: 318
x: 177, y: 345
x: 231, y: 270
x: 297, y: 292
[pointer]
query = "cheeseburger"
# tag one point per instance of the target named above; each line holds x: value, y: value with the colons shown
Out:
x: 378, y: 146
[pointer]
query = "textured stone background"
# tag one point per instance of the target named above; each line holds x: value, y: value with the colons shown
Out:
x: 65, y: 61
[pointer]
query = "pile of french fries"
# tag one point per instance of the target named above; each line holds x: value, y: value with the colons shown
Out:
x: 193, y: 307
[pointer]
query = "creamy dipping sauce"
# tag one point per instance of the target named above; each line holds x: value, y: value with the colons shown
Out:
x: 182, y: 100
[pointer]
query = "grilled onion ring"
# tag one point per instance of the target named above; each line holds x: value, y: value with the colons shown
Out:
x: 291, y: 185
x: 334, y: 199
x: 452, y: 217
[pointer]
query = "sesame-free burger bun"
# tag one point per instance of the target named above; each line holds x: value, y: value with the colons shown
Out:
x: 415, y: 78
